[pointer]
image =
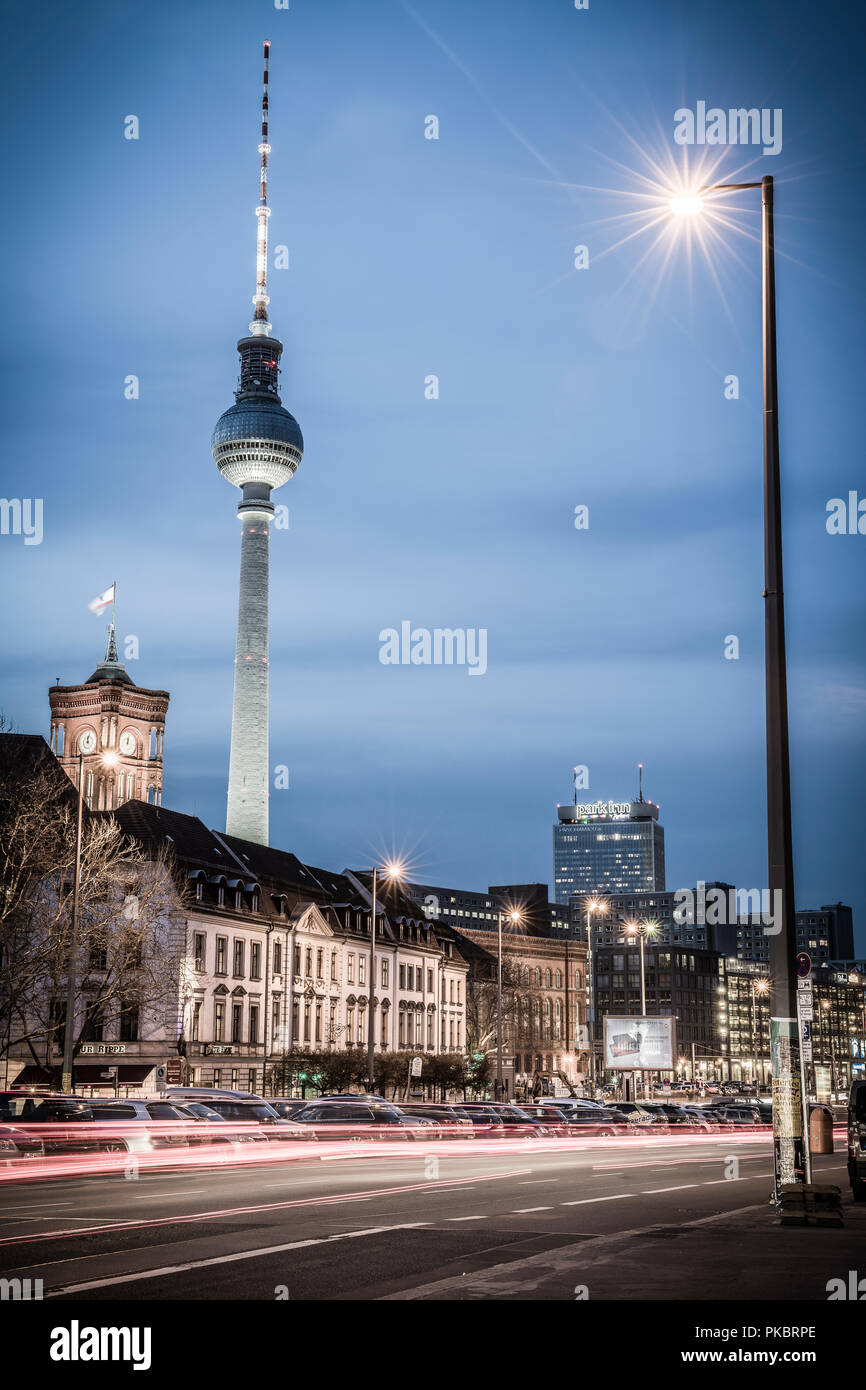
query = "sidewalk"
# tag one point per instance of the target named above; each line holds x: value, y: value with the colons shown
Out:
x: 746, y: 1254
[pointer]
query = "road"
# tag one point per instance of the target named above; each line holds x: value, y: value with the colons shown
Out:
x: 333, y: 1225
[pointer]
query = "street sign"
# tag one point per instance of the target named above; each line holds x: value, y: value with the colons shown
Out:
x: 174, y: 1071
x: 804, y: 964
x: 417, y: 1064
x: 805, y: 1039
x: 805, y: 1001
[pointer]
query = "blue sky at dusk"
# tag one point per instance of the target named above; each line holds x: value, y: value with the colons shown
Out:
x: 558, y: 387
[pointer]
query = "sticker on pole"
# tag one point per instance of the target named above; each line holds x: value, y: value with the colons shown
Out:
x: 804, y: 964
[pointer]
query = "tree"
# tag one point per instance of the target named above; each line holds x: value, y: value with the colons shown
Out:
x: 131, y: 922
x: 481, y: 999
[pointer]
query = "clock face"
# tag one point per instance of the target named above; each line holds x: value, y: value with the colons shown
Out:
x: 127, y: 742
x: 87, y: 742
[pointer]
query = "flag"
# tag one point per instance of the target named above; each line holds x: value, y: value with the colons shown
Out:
x: 98, y: 604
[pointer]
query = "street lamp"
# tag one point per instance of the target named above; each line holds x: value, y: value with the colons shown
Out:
x: 515, y: 917
x: 108, y: 760
x: 391, y: 871
x: 642, y: 929
x: 783, y: 946
x: 592, y: 905
x: 757, y: 987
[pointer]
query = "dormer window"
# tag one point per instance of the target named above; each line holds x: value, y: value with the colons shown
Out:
x: 199, y: 890
x: 221, y: 896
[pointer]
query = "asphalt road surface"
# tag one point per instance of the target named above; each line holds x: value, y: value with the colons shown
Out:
x: 336, y: 1225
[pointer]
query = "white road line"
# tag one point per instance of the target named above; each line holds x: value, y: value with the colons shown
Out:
x: 465, y: 1218
x: 538, y: 1182
x: 229, y: 1259
x: 651, y: 1191
x: 521, y: 1211
x: 584, y: 1201
x: 35, y: 1206
x: 157, y: 1196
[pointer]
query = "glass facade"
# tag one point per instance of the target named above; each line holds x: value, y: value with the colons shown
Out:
x: 602, y: 854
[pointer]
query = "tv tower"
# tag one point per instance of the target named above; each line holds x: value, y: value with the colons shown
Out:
x: 257, y: 445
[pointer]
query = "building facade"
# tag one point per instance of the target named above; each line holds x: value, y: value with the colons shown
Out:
x: 607, y: 847
x: 116, y: 728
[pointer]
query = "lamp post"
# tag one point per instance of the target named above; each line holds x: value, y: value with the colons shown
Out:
x: 757, y: 987
x: 642, y: 930
x: 108, y: 760
x: 515, y: 916
x: 390, y: 872
x: 789, y: 1102
x: 592, y: 905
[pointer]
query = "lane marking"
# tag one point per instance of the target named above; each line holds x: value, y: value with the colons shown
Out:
x: 229, y: 1259
x: 522, y: 1211
x: 34, y: 1238
x: 155, y: 1196
x: 483, y: 1217
x: 615, y: 1197
x: 651, y: 1191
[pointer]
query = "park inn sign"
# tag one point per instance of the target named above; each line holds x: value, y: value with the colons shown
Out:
x: 604, y: 808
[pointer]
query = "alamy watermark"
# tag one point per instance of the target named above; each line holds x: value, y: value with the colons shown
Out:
x: 736, y: 126
x: 22, y: 516
x: 439, y: 646
x: 716, y: 907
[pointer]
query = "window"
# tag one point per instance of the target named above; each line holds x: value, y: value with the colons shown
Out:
x: 217, y: 1076
x: 309, y: 961
x: 221, y: 892
x: 255, y: 960
x: 196, y: 1021
x: 350, y: 968
x: 198, y: 951
x: 199, y: 886
x: 385, y: 973
x: 251, y: 1079
x: 239, y: 957
x: 235, y: 1078
x: 254, y: 1023
x: 320, y: 963
x: 451, y: 992
x: 297, y: 959
x: 295, y: 1021
x: 239, y: 899
x: 219, y: 1020
x: 278, y: 958
x: 276, y: 1040
x: 318, y: 1034
x: 333, y: 965
x: 429, y: 980
x: 306, y: 1020
x: 383, y: 1037
x: 402, y: 977
x: 222, y: 945
x: 237, y: 1022
x: 350, y: 1024
x: 362, y: 970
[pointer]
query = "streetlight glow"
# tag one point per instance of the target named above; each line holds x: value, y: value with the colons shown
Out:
x: 686, y: 204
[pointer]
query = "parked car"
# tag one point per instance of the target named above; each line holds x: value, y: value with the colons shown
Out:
x: 514, y: 1119
x: 253, y: 1110
x: 287, y: 1106
x: 63, y: 1123
x: 679, y: 1116
x: 166, y: 1126
x: 741, y: 1116
x: 17, y: 1144
x: 453, y: 1122
x: 642, y: 1114
x: 357, y: 1120
x: 209, y: 1123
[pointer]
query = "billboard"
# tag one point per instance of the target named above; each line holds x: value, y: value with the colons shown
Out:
x: 639, y: 1044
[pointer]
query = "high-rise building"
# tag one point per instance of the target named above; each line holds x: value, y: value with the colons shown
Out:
x: 257, y: 445
x: 825, y: 933
x: 115, y: 729
x: 608, y: 847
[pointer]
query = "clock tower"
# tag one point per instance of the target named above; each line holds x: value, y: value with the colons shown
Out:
x: 113, y: 730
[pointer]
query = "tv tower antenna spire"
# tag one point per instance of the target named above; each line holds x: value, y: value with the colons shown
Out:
x: 260, y: 325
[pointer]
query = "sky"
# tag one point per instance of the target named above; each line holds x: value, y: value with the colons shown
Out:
x: 558, y: 387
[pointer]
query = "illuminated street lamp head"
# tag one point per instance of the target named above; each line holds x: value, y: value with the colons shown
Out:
x: 392, y: 869
x: 686, y: 204
x: 515, y: 915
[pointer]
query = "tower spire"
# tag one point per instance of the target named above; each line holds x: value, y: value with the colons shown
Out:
x: 260, y: 326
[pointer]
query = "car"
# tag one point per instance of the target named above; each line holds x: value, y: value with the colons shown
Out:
x: 17, y: 1144
x: 515, y: 1120
x: 741, y: 1116
x: 705, y: 1120
x: 166, y: 1126
x: 286, y: 1106
x: 641, y: 1113
x: 679, y: 1116
x: 246, y: 1108
x: 857, y: 1140
x: 453, y: 1122
x: 358, y: 1119
x: 203, y: 1114
x: 70, y: 1118
x: 554, y: 1120
x: 605, y: 1121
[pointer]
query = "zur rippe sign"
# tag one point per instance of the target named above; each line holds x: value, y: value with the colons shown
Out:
x: 638, y: 1044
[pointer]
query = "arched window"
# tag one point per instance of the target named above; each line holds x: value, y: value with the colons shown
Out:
x: 559, y: 979
x: 548, y: 979
x: 537, y: 978
x: 557, y: 1020
x: 547, y: 1020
